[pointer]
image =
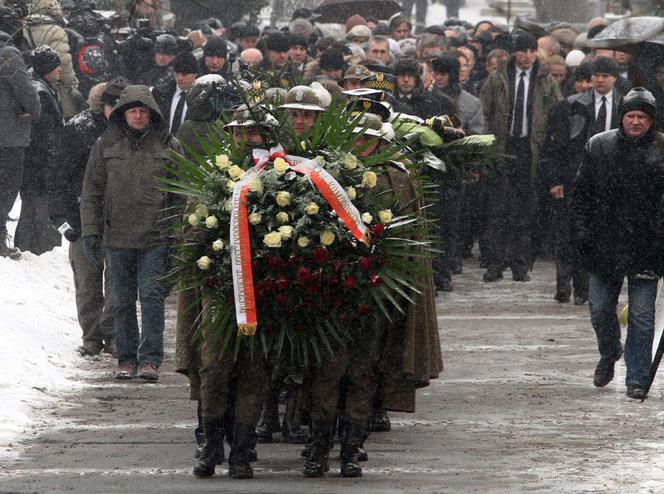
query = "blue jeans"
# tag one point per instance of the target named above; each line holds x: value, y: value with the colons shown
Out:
x: 603, y: 292
x: 138, y: 272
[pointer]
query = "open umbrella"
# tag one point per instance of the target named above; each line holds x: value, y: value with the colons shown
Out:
x: 340, y: 10
x: 630, y: 31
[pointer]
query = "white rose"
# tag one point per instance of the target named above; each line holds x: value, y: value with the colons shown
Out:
x: 193, y: 219
x: 282, y: 217
x: 218, y: 245
x: 204, y: 263
x: 255, y: 185
x: 235, y: 172
x: 230, y: 185
x: 255, y: 218
x: 283, y: 198
x: 280, y: 166
x: 311, y: 208
x: 272, y: 239
x: 202, y: 211
x: 352, y: 194
x: 211, y: 222
x: 286, y: 232
x: 327, y: 237
x: 366, y: 217
x: 369, y: 180
x: 228, y: 205
x: 303, y: 241
x: 222, y: 161
x: 350, y: 162
x: 385, y: 215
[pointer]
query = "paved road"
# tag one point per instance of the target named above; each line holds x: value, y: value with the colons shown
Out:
x: 515, y: 411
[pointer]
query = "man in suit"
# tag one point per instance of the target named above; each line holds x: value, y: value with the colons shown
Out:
x: 572, y: 123
x: 170, y: 96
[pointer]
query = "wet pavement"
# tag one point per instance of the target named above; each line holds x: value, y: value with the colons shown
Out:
x: 514, y: 411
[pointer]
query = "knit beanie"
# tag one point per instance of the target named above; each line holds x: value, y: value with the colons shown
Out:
x: 215, y: 47
x: 185, y: 63
x: 605, y: 65
x: 44, y: 60
x: 640, y: 99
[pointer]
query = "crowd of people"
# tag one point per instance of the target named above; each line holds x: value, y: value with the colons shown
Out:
x: 580, y: 179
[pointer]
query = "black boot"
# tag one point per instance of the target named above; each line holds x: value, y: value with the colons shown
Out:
x: 380, y: 422
x: 291, y: 432
x: 212, y: 452
x: 269, y: 421
x: 243, y: 442
x: 350, y: 443
x: 316, y: 465
x: 5, y: 250
x: 199, y: 433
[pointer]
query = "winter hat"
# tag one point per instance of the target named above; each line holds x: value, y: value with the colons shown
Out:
x: 446, y: 65
x: 166, y: 44
x: 113, y: 90
x: 640, y: 99
x: 297, y: 40
x: 44, y: 60
x: 407, y: 66
x: 277, y: 42
x: 359, y: 31
x: 524, y: 42
x: 605, y: 65
x: 355, y: 20
x: 583, y: 72
x: 332, y: 59
x: 574, y: 58
x: 215, y: 47
x: 185, y: 63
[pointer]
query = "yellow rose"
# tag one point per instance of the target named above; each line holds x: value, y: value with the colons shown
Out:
x: 369, y: 180
x: 222, y: 161
x: 280, y: 166
x: 228, y: 205
x: 230, y: 185
x: 303, y: 241
x: 311, y: 208
x: 283, y: 198
x: 255, y: 185
x: 286, y: 232
x: 202, y: 211
x: 327, y: 237
x: 193, y: 219
x: 385, y: 216
x: 255, y: 218
x: 350, y: 162
x: 366, y: 217
x: 282, y: 217
x: 204, y: 263
x: 218, y: 245
x: 272, y: 240
x: 235, y: 172
x: 352, y: 194
x: 211, y: 222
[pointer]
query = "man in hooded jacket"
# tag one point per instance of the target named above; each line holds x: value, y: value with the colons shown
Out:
x: 122, y: 204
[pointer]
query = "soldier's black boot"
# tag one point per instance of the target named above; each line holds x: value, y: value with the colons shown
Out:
x: 317, y: 464
x: 354, y: 434
x: 269, y: 421
x: 291, y: 432
x: 239, y: 458
x: 212, y: 452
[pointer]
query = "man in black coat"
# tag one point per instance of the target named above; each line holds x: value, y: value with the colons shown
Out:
x: 92, y: 283
x: 617, y: 224
x: 571, y: 123
x: 410, y: 91
x: 170, y: 96
x: 19, y: 106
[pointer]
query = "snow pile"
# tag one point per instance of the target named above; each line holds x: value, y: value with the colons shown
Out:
x: 38, y: 336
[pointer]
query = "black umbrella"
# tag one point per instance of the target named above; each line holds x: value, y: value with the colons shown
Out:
x: 340, y: 10
x: 628, y: 32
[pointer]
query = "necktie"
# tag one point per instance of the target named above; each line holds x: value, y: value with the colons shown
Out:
x: 600, y: 121
x: 517, y: 129
x: 177, y: 117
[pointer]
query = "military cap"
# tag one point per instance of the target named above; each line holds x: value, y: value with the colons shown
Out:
x: 356, y: 72
x: 302, y: 98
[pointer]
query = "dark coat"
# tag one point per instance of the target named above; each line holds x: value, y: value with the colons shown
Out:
x: 163, y: 94
x: 617, y: 206
x: 570, y: 126
x: 84, y: 129
x: 19, y: 102
x: 121, y: 198
x: 426, y: 104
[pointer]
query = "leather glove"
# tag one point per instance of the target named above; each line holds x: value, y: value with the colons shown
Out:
x: 92, y: 249
x: 72, y: 235
x: 444, y: 127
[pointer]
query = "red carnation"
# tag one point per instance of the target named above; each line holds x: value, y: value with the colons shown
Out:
x: 375, y: 280
x: 365, y: 264
x: 292, y: 261
x: 378, y: 230
x: 274, y: 263
x: 349, y: 282
x: 321, y: 255
x: 282, y: 283
x: 303, y: 275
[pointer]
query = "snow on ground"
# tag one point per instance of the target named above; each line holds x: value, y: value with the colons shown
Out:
x: 38, y: 336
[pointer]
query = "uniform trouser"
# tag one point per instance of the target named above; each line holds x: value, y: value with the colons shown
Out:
x: 447, y: 211
x: 603, y: 292
x: 510, y: 211
x: 221, y: 373
x: 11, y: 176
x: 567, y: 270
x: 138, y: 273
x: 93, y: 298
x: 325, y: 387
x: 420, y: 13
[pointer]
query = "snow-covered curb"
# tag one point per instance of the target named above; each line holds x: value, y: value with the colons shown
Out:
x: 38, y: 336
